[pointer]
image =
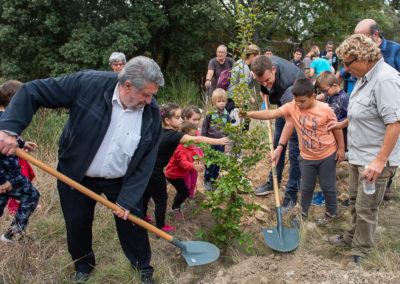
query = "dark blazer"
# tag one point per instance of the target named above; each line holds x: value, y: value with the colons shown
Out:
x: 88, y: 96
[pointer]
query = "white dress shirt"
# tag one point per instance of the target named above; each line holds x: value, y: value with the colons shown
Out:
x: 120, y: 142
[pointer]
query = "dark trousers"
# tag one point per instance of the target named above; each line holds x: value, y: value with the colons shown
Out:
x: 28, y: 196
x: 293, y: 184
x: 325, y: 169
x: 182, y: 191
x: 78, y: 210
x: 212, y: 172
x: 157, y: 189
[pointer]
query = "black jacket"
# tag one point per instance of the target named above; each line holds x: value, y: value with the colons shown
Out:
x: 88, y: 96
x: 285, y: 75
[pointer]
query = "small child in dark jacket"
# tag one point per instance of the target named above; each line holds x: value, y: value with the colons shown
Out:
x: 211, y: 128
x: 15, y: 185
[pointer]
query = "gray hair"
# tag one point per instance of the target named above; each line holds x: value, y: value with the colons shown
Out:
x: 117, y: 56
x: 140, y: 70
x: 373, y: 28
x: 224, y: 46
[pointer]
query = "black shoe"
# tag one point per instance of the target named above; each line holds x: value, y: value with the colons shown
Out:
x: 357, y: 258
x: 346, y: 203
x: 79, y: 276
x: 265, y: 189
x: 146, y: 275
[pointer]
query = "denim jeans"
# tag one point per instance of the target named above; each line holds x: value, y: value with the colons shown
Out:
x: 293, y: 184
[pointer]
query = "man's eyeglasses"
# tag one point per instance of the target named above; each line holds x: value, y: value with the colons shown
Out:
x: 350, y: 62
x: 118, y: 64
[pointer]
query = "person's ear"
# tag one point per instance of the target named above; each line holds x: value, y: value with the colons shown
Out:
x: 273, y: 69
x: 128, y: 84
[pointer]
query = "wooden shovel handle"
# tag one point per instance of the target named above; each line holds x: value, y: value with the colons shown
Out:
x: 271, y: 146
x: 22, y: 154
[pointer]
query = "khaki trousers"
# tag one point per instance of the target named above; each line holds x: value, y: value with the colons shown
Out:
x: 364, y: 209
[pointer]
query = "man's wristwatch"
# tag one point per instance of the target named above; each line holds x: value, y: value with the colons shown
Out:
x: 208, y: 80
x: 280, y: 144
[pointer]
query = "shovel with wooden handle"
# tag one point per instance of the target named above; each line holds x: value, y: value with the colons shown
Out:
x: 279, y: 238
x: 194, y: 252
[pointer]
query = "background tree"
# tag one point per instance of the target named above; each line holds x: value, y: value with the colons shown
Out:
x: 51, y: 38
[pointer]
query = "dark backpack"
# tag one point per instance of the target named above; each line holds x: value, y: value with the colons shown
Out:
x: 224, y: 79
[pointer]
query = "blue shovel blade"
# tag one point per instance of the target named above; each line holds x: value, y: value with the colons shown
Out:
x: 197, y: 252
x: 288, y: 240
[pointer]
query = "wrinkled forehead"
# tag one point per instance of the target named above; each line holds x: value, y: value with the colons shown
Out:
x: 221, y: 49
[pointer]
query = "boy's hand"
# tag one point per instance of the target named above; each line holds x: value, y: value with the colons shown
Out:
x: 29, y: 146
x: 244, y: 114
x: 334, y: 125
x: 340, y: 155
x: 5, y: 187
x: 198, y: 167
x: 321, y: 98
x: 277, y: 154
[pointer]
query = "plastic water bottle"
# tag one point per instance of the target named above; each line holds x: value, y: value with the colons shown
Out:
x: 369, y: 188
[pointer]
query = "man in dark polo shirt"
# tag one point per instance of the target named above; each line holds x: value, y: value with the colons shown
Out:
x: 276, y: 77
x: 216, y: 66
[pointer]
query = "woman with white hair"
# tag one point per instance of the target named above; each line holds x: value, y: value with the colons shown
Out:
x: 117, y: 61
x: 373, y: 129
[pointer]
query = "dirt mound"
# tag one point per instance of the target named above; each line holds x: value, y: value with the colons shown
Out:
x: 297, y: 267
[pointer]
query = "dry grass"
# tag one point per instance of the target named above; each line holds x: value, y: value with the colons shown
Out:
x: 46, y: 259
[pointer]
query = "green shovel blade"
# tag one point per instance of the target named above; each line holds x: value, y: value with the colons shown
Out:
x: 197, y: 252
x: 287, y: 241
x: 280, y: 238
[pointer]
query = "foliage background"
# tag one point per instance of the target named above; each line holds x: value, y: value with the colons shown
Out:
x: 42, y: 38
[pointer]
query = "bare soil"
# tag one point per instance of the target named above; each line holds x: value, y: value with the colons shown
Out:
x: 314, y: 261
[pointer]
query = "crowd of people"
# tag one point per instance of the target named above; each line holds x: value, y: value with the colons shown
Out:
x: 128, y: 147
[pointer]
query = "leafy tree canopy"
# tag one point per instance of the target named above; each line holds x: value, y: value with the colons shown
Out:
x: 41, y: 38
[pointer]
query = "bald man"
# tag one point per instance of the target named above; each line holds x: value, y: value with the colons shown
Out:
x: 391, y: 54
x: 390, y: 49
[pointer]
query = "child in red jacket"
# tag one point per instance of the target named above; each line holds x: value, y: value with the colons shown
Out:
x: 193, y: 115
x: 178, y: 167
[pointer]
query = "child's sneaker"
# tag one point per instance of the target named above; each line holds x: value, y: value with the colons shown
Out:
x: 337, y: 241
x: 207, y: 185
x: 318, y: 199
x: 325, y: 220
x: 148, y: 219
x: 11, y: 236
x: 177, y: 213
x: 168, y: 228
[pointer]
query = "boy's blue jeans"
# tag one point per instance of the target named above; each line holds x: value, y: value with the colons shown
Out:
x: 293, y: 184
x: 213, y: 171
